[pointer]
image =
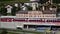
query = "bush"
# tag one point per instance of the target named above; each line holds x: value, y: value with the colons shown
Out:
x: 4, y: 31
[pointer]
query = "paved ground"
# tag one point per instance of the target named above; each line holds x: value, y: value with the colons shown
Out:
x: 57, y: 32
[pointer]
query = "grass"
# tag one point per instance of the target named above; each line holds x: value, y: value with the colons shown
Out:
x: 24, y: 31
x: 12, y: 33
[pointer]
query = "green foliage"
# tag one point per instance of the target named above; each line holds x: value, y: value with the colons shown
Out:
x: 3, y: 3
x: 56, y: 1
x: 43, y: 1
x: 12, y: 33
x: 58, y: 10
x: 29, y: 8
x: 4, y: 31
x: 6, y: 0
x: 14, y: 0
x: 4, y: 11
x: 13, y: 10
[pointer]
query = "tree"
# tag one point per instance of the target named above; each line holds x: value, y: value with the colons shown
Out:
x: 56, y: 1
x: 29, y: 8
x: 4, y: 11
x: 6, y: 0
x: 13, y: 11
x: 43, y: 1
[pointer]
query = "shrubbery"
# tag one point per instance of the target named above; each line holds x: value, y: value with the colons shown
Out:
x: 4, y: 31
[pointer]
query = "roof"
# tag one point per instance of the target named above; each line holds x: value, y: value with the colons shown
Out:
x: 22, y: 12
x: 49, y: 12
x: 8, y: 16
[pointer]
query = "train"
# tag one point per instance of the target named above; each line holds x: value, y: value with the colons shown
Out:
x: 30, y: 23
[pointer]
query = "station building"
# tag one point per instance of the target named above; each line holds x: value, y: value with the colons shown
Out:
x: 43, y: 18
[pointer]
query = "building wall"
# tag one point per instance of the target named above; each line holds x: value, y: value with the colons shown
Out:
x: 37, y: 14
